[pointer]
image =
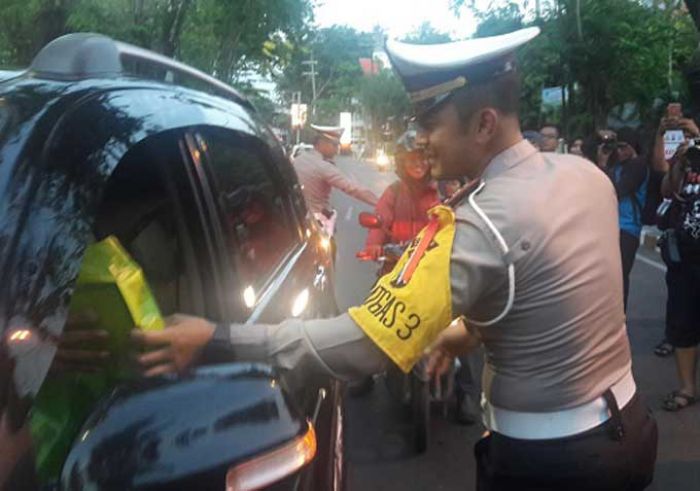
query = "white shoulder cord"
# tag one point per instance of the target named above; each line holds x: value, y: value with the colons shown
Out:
x: 505, y: 249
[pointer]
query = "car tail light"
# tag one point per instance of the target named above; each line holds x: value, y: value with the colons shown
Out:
x: 273, y: 466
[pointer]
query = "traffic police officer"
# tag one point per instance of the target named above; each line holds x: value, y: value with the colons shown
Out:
x: 529, y: 256
x: 318, y: 174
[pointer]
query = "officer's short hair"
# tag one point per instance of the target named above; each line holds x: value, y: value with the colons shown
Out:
x: 502, y: 94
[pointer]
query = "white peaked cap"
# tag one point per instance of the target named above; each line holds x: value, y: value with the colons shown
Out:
x: 432, y: 71
x: 331, y: 132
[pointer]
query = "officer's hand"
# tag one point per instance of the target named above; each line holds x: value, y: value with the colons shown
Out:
x: 176, y: 347
x: 454, y: 341
x: 81, y: 347
x: 439, y: 362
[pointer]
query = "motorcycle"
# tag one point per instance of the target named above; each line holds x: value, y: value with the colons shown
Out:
x: 415, y: 391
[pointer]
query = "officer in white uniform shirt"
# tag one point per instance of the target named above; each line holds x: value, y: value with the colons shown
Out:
x: 318, y: 173
x: 529, y: 257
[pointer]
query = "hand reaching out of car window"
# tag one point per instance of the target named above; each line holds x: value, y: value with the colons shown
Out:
x: 176, y: 347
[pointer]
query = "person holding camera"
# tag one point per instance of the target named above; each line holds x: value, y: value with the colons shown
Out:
x: 680, y: 250
x: 618, y: 156
x: 685, y: 129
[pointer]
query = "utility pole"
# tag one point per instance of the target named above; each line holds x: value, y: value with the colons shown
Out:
x: 312, y: 73
x: 296, y: 102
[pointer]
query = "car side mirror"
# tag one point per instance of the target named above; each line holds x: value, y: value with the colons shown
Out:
x: 369, y: 220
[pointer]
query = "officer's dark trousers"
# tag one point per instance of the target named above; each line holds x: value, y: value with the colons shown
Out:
x: 592, y: 461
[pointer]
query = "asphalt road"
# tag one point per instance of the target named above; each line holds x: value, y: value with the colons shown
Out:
x: 380, y: 457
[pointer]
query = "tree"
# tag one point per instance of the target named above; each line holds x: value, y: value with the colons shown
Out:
x: 427, y: 34
x: 226, y: 40
x: 336, y: 51
x: 222, y: 37
x: 384, y: 99
x: 605, y: 52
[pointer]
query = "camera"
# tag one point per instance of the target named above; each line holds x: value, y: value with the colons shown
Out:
x: 609, y: 142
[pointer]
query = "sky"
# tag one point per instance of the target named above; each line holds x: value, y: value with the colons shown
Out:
x: 397, y: 17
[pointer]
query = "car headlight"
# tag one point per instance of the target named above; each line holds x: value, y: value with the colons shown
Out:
x: 267, y: 469
x: 300, y: 302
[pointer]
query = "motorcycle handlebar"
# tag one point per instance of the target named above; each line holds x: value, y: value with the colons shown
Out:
x: 389, y: 250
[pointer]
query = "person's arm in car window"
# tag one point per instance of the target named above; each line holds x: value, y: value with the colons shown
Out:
x: 338, y: 346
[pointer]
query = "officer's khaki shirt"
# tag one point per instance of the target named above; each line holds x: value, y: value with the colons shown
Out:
x: 318, y: 177
x: 564, y: 341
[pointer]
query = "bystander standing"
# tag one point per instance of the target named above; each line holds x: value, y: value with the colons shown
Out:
x: 550, y: 138
x: 680, y: 250
x: 576, y: 147
x: 618, y: 156
x: 534, y: 138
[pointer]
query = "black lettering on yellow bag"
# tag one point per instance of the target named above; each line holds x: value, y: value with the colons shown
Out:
x: 410, y: 306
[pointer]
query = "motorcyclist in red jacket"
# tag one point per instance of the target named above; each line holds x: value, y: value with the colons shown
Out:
x: 404, y: 205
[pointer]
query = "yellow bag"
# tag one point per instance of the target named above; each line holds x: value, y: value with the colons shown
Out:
x: 409, y: 307
x: 112, y: 285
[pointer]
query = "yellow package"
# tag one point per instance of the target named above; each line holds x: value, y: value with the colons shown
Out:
x: 404, y: 319
x: 112, y: 286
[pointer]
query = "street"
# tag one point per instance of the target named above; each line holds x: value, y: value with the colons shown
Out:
x: 379, y: 455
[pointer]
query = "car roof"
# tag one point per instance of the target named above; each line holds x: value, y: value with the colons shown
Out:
x: 79, y: 56
x: 9, y: 74
x: 87, y: 63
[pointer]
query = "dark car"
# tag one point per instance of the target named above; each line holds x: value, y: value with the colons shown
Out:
x: 100, y: 138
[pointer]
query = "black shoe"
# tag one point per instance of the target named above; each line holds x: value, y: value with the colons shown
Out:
x: 465, y: 412
x: 362, y: 387
x: 663, y: 349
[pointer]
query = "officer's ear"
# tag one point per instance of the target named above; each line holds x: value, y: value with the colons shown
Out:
x: 487, y: 120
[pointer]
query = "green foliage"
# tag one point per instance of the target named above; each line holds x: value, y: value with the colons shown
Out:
x: 427, y: 34
x: 337, y: 51
x: 606, y: 52
x: 254, y: 34
x: 499, y: 19
x: 222, y: 37
x: 384, y: 99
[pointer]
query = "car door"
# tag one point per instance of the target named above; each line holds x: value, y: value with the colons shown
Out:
x: 276, y: 266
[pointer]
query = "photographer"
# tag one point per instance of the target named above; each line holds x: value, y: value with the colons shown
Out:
x: 680, y: 250
x: 618, y: 158
x: 672, y: 121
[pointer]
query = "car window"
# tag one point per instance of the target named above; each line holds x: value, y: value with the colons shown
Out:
x: 255, y: 207
x: 144, y: 206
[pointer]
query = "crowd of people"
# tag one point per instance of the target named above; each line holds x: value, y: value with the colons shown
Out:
x: 656, y: 185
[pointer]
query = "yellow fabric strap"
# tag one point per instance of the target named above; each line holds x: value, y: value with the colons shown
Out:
x: 404, y: 320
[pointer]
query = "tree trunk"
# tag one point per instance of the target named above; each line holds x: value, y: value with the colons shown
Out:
x: 172, y: 27
x: 50, y: 23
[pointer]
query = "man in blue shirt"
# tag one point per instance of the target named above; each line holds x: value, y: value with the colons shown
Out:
x: 618, y: 156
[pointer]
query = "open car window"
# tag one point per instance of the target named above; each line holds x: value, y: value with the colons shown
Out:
x: 258, y: 219
x: 146, y: 207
